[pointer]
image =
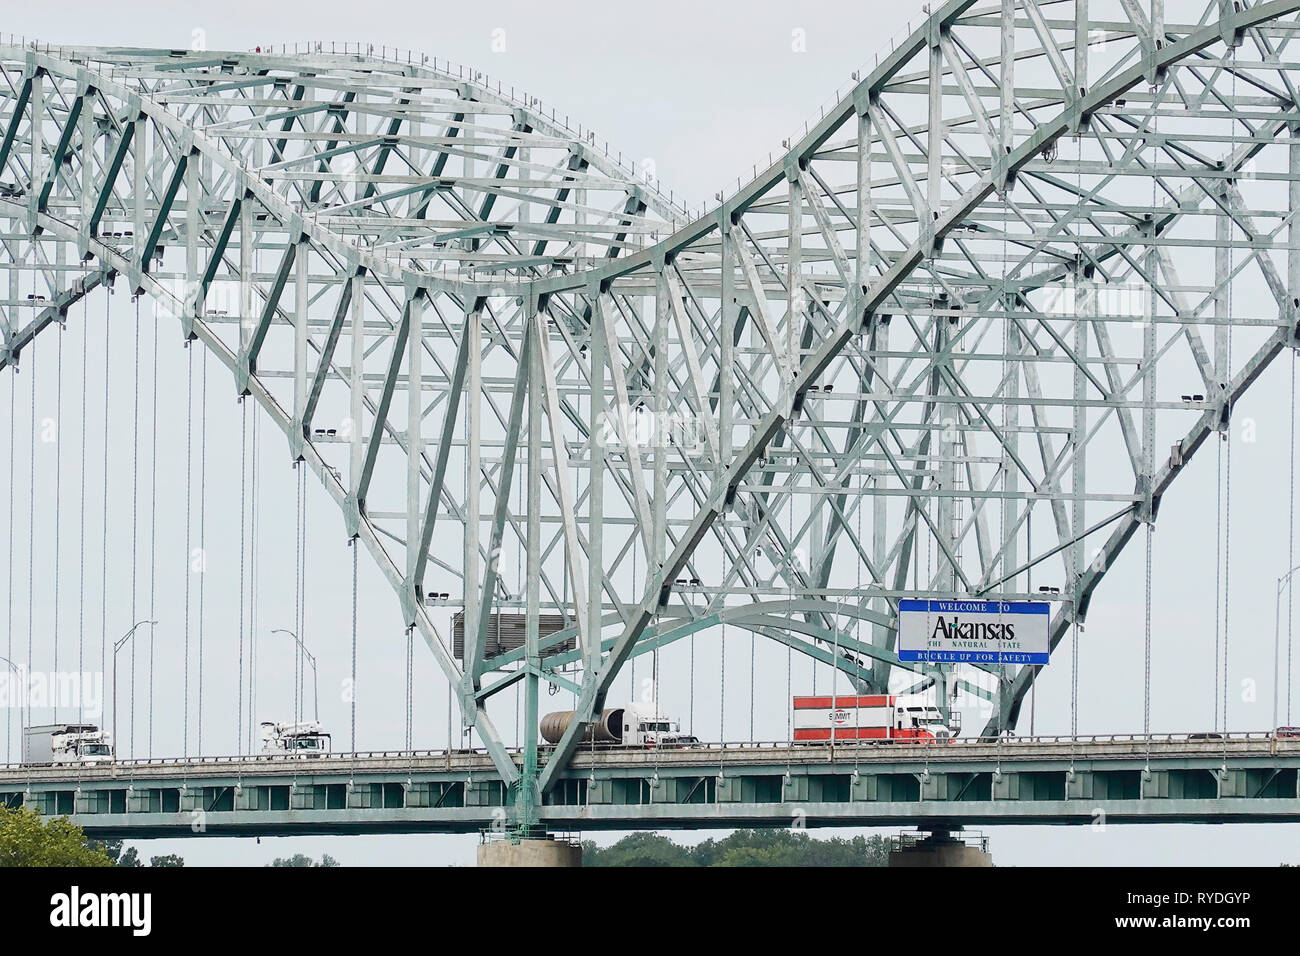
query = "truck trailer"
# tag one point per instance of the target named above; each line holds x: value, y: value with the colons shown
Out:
x: 628, y: 726
x: 869, y: 717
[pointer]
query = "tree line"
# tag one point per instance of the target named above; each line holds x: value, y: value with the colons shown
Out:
x: 28, y: 839
x: 742, y: 848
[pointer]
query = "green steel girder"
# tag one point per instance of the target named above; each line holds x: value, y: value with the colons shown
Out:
x: 164, y: 207
x: 110, y: 176
x: 56, y: 158
x: 16, y: 111
x: 326, y: 356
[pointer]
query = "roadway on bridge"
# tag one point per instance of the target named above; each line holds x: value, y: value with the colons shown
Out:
x: 1051, y: 780
x: 958, y: 750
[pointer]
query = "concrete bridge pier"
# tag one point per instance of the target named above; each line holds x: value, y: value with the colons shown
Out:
x: 535, y: 850
x: 939, y: 848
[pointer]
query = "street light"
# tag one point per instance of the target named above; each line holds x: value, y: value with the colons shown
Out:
x: 117, y: 646
x: 1277, y: 627
x: 315, y: 686
x: 21, y: 690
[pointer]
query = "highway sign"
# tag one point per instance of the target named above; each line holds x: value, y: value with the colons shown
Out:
x: 973, y: 632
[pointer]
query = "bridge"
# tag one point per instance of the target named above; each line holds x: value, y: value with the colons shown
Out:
x: 957, y: 339
x: 1048, y: 780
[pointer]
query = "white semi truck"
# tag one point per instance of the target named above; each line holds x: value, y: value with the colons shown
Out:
x: 629, y: 726
x: 305, y: 739
x: 66, y: 744
x: 870, y: 717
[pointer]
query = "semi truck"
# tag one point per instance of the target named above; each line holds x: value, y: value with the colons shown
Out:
x: 870, y: 717
x: 303, y: 739
x: 629, y: 726
x: 66, y: 744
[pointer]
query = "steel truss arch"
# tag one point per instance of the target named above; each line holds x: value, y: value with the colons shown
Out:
x: 913, y: 323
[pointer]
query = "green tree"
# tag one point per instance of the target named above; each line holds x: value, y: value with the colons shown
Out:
x: 113, y: 849
x: 741, y: 848
x: 171, y: 859
x: 758, y: 856
x: 637, y: 849
x: 791, y: 848
x: 128, y: 857
x: 27, y: 839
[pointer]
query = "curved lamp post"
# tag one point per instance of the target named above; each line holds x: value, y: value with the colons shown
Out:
x: 21, y: 701
x: 315, y: 686
x: 1277, y: 628
x: 117, y: 646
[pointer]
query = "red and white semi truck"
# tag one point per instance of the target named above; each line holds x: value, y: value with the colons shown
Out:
x: 869, y: 717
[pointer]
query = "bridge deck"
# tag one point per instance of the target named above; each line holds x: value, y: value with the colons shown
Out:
x: 1244, y: 778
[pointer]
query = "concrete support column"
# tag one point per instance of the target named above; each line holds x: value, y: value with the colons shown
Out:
x: 540, y: 852
x: 936, y: 849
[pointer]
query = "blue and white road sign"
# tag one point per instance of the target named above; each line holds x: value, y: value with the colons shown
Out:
x: 974, y: 632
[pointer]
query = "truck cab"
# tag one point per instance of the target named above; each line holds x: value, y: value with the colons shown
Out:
x: 304, y: 739
x: 94, y: 751
x: 650, y: 729
x: 915, y: 717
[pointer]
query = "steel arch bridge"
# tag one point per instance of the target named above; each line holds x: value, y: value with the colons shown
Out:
x: 947, y: 318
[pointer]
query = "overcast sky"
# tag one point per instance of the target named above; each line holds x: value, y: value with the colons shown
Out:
x: 703, y: 90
